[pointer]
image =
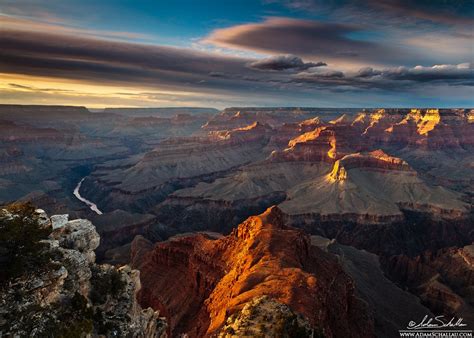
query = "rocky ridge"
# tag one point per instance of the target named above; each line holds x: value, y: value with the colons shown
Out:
x: 198, y: 282
x: 67, y: 293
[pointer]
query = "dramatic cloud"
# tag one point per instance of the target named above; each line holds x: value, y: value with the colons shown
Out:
x: 315, y: 40
x: 391, y: 78
x: 449, y: 73
x: 107, y: 61
x: 147, y: 74
x: 284, y: 62
x: 291, y: 36
x: 367, y: 72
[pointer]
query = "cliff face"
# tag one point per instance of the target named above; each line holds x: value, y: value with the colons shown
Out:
x: 240, y: 117
x: 443, y: 279
x: 176, y: 163
x: 61, y: 290
x: 198, y: 282
x: 392, y: 307
x: 376, y: 160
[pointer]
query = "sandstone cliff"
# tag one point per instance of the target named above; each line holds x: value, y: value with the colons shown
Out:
x: 199, y: 282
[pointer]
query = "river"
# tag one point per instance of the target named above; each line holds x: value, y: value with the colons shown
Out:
x: 91, y: 205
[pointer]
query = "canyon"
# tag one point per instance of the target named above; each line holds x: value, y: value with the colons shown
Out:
x: 318, y: 216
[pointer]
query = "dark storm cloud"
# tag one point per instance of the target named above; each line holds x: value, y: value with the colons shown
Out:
x: 284, y: 62
x: 367, y: 72
x: 67, y: 47
x: 449, y: 73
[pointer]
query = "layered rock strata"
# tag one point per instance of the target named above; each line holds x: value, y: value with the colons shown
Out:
x: 199, y: 282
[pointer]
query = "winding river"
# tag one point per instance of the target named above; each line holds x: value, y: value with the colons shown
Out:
x: 91, y: 205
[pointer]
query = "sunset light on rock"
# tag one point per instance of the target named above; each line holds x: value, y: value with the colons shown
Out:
x: 241, y: 168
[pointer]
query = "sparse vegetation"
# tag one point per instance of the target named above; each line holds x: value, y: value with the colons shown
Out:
x: 20, y: 247
x: 75, y: 318
x: 264, y: 317
x: 55, y: 295
x: 104, y: 284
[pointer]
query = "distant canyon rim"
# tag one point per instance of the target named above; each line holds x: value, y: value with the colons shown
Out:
x: 252, y: 202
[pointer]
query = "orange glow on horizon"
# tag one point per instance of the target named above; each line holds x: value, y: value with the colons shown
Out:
x: 45, y: 90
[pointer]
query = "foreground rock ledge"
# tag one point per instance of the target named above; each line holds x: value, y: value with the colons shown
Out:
x: 71, y: 295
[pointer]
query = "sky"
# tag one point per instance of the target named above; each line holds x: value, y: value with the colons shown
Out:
x: 333, y: 53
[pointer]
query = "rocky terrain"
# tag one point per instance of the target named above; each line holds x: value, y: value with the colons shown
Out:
x: 385, y: 194
x: 442, y: 279
x: 351, y: 169
x: 51, y: 285
x: 175, y: 164
x: 48, y: 149
x: 198, y: 282
x: 238, y: 117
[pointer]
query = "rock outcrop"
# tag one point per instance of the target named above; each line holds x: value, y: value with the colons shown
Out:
x: 375, y: 160
x: 443, y: 279
x: 198, y: 282
x: 62, y: 292
x: 263, y: 316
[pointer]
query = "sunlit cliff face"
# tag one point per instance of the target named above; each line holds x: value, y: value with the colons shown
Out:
x: 338, y: 172
x: 429, y: 121
x: 375, y: 118
x: 332, y: 152
x: 376, y: 159
x: 309, y: 136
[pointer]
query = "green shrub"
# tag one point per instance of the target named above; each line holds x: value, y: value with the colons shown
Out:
x: 20, y: 247
x: 104, y: 284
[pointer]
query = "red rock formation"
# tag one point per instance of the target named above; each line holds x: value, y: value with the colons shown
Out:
x: 429, y: 129
x: 231, y: 118
x: 443, y: 279
x: 252, y: 132
x: 198, y: 282
x: 15, y: 133
x: 324, y: 144
x: 375, y: 160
